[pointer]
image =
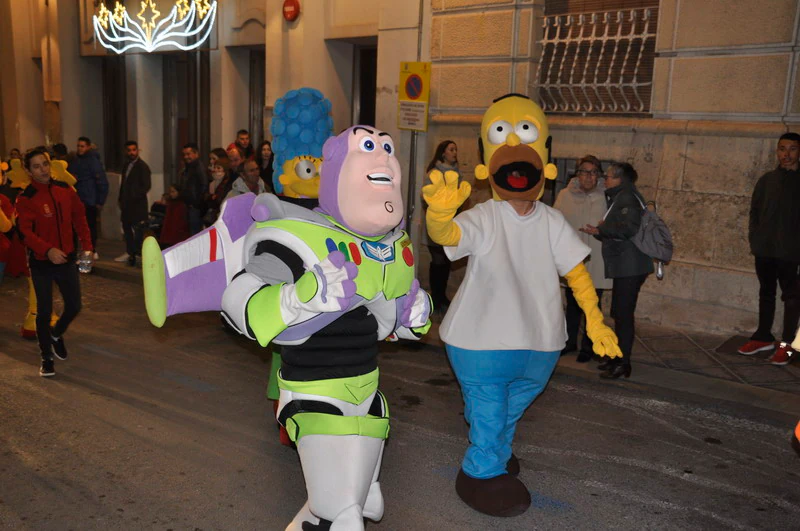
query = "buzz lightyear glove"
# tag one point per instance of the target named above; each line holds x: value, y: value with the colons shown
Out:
x: 604, y: 339
x: 269, y: 310
x: 416, y: 310
x: 444, y: 196
x: 327, y: 287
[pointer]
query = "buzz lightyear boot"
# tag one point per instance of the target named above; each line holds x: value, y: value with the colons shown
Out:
x: 339, y: 427
x: 341, y: 474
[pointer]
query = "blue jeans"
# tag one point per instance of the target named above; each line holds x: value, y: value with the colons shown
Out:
x: 497, y: 386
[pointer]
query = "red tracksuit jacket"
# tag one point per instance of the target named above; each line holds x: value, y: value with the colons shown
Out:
x: 47, y: 214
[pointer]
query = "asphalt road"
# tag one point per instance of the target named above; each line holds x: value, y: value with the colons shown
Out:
x: 146, y: 428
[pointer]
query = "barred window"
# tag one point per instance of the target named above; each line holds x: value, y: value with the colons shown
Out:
x: 597, y: 56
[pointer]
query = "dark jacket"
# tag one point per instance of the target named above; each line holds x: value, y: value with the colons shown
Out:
x: 133, y: 192
x: 266, y: 175
x: 622, y: 258
x: 92, y: 185
x: 49, y: 215
x: 194, y: 185
x: 775, y: 216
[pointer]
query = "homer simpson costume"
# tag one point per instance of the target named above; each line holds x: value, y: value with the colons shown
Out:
x: 505, y: 327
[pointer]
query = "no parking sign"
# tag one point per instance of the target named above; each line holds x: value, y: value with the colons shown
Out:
x: 415, y: 87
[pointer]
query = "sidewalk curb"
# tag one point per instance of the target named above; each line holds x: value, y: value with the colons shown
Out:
x: 695, y: 384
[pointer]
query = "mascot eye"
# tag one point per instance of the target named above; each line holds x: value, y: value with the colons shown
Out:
x: 367, y: 144
x: 527, y: 132
x: 388, y: 147
x: 498, y: 132
x: 305, y: 169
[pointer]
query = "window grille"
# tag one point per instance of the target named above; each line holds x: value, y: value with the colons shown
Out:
x: 598, y: 63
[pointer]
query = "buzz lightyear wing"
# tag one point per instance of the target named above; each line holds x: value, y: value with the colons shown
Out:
x: 192, y: 275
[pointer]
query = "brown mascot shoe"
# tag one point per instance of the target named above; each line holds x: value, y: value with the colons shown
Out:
x: 498, y: 496
x: 512, y: 467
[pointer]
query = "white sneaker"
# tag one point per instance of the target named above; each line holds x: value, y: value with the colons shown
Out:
x: 121, y: 258
x: 96, y: 256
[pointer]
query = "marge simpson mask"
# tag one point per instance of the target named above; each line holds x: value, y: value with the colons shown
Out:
x: 515, y: 148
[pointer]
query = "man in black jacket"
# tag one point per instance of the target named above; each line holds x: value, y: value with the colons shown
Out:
x: 773, y: 234
x: 194, y: 184
x: 133, y: 201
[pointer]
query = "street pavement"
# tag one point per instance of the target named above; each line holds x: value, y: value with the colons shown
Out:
x: 146, y: 428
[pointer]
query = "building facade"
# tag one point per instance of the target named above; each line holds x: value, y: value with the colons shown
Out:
x: 694, y: 93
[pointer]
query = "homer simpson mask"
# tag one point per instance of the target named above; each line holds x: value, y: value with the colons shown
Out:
x: 515, y: 148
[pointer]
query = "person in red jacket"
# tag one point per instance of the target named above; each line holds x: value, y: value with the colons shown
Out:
x: 49, y: 214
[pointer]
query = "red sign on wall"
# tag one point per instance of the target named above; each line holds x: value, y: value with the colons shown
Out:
x: 291, y: 10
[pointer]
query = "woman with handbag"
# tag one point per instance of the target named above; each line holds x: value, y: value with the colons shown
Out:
x: 624, y: 262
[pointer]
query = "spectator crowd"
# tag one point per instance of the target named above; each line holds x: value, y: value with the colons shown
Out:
x: 605, y: 208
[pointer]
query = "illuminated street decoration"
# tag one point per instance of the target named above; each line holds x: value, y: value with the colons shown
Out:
x: 187, y: 20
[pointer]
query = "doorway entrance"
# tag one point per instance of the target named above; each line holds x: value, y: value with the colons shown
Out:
x: 186, y: 108
x: 365, y: 77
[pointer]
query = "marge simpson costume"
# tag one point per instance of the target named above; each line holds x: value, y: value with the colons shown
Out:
x: 505, y: 327
x: 326, y: 285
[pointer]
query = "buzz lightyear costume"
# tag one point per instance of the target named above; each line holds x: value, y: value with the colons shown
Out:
x: 326, y: 292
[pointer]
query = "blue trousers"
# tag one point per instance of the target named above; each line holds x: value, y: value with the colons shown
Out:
x: 497, y: 386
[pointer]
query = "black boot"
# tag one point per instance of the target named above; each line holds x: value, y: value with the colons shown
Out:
x: 622, y: 369
x: 608, y: 363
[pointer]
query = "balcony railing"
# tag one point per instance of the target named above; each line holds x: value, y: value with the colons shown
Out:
x: 598, y: 63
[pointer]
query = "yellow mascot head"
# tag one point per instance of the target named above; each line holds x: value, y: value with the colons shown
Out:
x: 515, y: 149
x: 300, y: 177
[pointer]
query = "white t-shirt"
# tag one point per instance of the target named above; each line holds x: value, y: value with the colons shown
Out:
x: 510, y: 297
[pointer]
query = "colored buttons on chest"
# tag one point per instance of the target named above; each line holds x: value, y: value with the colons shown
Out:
x: 408, y: 256
x: 355, y: 253
x: 350, y: 251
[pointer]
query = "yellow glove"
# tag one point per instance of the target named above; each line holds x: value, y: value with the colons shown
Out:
x: 444, y: 195
x: 604, y: 339
x: 19, y: 177
x: 5, y: 223
x: 58, y: 169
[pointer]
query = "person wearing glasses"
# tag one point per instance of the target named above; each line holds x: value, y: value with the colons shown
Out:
x: 583, y: 202
x: 624, y: 262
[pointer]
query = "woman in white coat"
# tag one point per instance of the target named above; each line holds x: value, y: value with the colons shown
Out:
x: 583, y: 202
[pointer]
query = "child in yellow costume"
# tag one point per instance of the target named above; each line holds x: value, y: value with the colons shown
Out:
x: 505, y: 328
x: 20, y: 179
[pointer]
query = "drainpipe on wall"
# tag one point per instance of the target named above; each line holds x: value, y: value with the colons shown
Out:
x: 412, y: 167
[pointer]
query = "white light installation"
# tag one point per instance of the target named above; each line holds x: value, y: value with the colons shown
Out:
x: 188, y: 20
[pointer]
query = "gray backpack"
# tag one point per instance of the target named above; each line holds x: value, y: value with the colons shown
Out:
x: 653, y: 238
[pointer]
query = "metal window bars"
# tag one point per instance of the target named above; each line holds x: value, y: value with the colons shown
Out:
x: 598, y: 63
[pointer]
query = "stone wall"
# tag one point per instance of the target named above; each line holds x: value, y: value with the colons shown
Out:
x: 724, y: 89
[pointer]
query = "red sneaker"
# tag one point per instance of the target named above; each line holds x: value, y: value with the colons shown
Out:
x: 753, y: 346
x: 782, y: 356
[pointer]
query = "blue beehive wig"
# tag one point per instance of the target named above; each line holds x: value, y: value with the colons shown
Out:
x: 301, y: 123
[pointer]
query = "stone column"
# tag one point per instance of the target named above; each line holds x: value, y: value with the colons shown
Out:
x: 51, y: 73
